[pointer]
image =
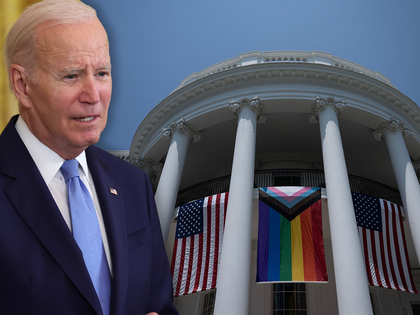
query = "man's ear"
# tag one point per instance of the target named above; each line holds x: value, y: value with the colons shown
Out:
x: 20, y: 79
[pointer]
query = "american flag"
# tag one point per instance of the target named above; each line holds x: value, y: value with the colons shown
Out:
x: 198, y: 244
x: 382, y: 237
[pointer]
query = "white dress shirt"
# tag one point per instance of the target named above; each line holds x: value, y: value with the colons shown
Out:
x: 49, y: 164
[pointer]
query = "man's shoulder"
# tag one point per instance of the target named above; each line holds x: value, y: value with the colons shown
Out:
x: 103, y: 154
x: 111, y: 160
x: 13, y: 153
x: 9, y: 133
x: 104, y: 165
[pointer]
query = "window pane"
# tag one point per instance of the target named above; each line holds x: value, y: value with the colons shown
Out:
x: 208, y: 306
x: 278, y: 301
x: 301, y: 300
x: 289, y: 301
x: 212, y: 298
x: 278, y: 287
x: 292, y: 301
x: 416, y: 309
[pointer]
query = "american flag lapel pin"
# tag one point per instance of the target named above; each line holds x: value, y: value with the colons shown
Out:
x: 113, y: 191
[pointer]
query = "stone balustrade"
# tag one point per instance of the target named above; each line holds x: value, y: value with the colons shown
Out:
x: 290, y: 56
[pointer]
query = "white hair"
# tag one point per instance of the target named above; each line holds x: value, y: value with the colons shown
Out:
x: 19, y: 46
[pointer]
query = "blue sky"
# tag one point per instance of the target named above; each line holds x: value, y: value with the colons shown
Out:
x: 155, y: 44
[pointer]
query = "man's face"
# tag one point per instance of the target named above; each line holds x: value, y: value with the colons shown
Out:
x: 69, y: 98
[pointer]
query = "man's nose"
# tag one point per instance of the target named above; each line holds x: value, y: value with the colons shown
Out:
x: 90, y: 91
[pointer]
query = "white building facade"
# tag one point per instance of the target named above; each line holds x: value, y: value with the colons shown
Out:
x: 286, y: 118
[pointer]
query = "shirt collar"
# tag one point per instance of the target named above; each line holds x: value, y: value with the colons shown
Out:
x: 47, y: 161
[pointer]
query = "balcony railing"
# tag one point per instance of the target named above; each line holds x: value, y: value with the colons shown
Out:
x: 289, y: 177
x: 257, y: 57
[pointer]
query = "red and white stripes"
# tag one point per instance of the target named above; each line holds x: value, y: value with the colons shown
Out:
x: 385, y: 252
x: 196, y: 258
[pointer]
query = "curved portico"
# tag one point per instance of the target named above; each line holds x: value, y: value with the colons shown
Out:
x: 288, y: 84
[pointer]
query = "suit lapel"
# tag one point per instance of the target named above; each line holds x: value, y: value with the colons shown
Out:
x: 32, y: 199
x: 111, y: 203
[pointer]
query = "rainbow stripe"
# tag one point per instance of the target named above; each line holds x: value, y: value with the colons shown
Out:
x: 290, y: 242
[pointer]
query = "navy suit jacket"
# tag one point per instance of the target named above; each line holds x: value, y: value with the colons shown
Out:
x: 41, y: 267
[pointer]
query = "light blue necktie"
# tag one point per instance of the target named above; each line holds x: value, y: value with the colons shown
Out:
x: 87, y: 233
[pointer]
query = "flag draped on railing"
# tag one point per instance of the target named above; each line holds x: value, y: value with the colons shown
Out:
x: 290, y: 241
x: 198, y: 243
x: 381, y: 233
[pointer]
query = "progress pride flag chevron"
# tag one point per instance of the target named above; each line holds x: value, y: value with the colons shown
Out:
x: 290, y: 241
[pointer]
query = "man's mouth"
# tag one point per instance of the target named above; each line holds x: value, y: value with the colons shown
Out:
x: 85, y: 118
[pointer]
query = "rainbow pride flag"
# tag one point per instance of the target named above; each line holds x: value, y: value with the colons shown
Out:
x: 290, y: 241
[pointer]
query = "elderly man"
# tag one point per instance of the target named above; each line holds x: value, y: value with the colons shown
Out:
x: 79, y: 231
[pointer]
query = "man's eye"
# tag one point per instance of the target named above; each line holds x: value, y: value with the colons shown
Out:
x: 70, y: 76
x: 102, y: 73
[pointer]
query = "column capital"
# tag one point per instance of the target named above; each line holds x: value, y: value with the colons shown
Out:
x: 318, y: 165
x: 254, y: 104
x: 182, y: 125
x: 146, y: 162
x: 321, y: 103
x: 150, y: 167
x: 416, y: 165
x: 391, y: 124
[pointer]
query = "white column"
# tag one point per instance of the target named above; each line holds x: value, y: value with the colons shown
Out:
x: 233, y: 275
x: 167, y: 190
x: 350, y: 272
x: 392, y: 132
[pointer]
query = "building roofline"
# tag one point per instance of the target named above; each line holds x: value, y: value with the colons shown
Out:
x: 325, y: 72
x: 257, y: 57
